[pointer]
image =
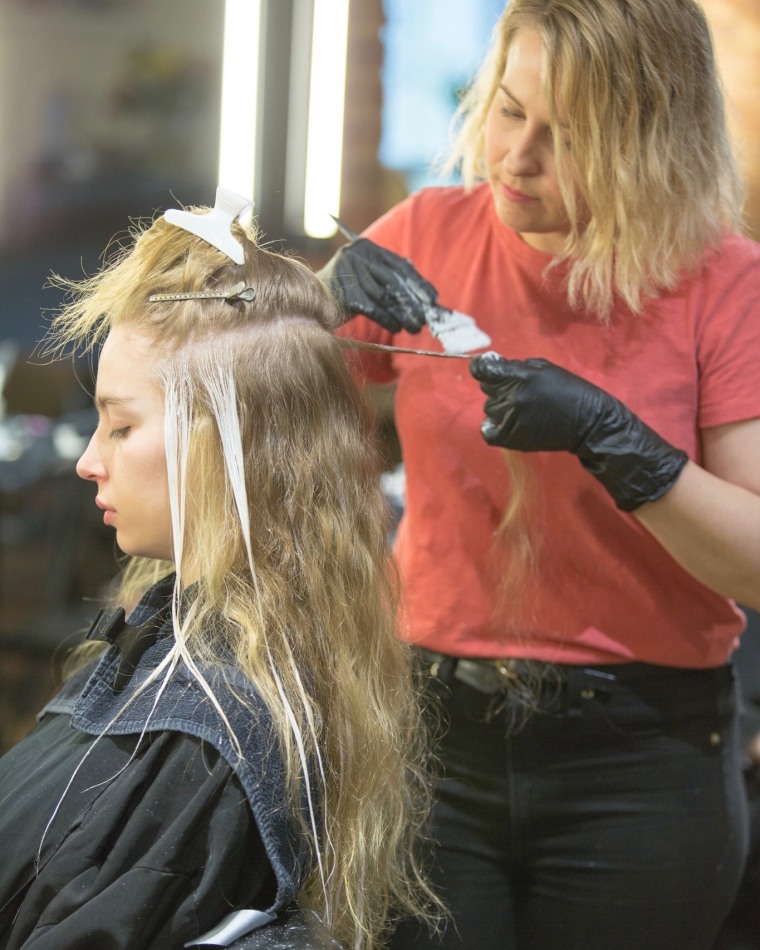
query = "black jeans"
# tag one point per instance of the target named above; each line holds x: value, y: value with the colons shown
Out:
x: 614, y: 818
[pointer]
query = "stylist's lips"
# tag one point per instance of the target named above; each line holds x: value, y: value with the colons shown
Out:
x: 517, y: 196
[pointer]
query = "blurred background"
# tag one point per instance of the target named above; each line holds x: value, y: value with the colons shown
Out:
x: 114, y: 110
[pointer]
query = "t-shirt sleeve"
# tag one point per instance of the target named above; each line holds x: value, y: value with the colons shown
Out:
x: 728, y: 337
x: 161, y: 856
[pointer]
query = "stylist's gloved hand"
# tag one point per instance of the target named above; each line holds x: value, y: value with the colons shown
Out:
x: 369, y: 279
x: 535, y: 406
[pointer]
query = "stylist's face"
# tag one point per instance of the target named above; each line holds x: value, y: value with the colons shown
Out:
x: 126, y: 457
x: 520, y: 150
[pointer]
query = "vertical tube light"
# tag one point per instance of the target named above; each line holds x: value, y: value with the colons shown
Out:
x: 327, y: 89
x: 239, y: 108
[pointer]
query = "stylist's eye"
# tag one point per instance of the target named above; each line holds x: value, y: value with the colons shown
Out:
x: 119, y: 433
x: 509, y: 113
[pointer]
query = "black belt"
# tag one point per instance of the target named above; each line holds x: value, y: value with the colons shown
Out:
x: 489, y: 676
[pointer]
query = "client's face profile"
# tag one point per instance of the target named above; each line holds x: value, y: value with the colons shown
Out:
x: 126, y: 457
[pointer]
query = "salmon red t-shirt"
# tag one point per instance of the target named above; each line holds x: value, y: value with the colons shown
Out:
x: 602, y: 589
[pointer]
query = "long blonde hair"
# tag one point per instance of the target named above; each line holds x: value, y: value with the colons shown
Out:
x: 649, y: 178
x: 277, y: 506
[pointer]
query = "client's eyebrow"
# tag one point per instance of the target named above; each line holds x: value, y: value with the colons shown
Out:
x: 104, y: 401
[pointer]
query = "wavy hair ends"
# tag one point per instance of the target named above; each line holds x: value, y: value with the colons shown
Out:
x: 644, y: 160
x: 284, y: 534
x: 318, y: 605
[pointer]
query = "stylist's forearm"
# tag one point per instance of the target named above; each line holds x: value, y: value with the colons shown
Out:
x: 712, y: 529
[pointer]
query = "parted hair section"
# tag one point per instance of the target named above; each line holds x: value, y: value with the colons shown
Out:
x: 279, y: 520
x: 160, y: 258
x: 644, y: 160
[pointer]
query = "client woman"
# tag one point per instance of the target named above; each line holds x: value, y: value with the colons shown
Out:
x: 248, y: 732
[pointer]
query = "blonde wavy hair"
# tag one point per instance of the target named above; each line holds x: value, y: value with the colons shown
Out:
x: 648, y: 176
x: 277, y: 508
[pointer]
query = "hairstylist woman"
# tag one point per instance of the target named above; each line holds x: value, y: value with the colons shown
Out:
x: 595, y: 240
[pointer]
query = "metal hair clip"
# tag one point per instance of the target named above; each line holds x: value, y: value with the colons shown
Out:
x: 238, y: 292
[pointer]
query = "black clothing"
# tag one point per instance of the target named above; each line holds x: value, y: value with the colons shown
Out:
x: 153, y: 858
x: 614, y: 820
x: 151, y: 824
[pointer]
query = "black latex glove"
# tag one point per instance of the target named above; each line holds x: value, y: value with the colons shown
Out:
x: 535, y: 406
x: 369, y: 279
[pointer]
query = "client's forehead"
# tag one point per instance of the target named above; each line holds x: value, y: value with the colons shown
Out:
x: 127, y: 369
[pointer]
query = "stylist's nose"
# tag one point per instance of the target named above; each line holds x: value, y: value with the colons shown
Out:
x: 90, y: 466
x: 522, y: 157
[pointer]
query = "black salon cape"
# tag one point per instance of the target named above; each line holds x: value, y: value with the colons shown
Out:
x: 151, y: 860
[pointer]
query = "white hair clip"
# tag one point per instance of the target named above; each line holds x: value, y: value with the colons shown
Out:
x: 238, y: 292
x: 215, y: 226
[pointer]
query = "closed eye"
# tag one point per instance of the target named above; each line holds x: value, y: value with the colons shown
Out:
x: 509, y: 113
x: 119, y: 433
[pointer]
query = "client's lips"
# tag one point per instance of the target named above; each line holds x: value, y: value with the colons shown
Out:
x: 108, y: 511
